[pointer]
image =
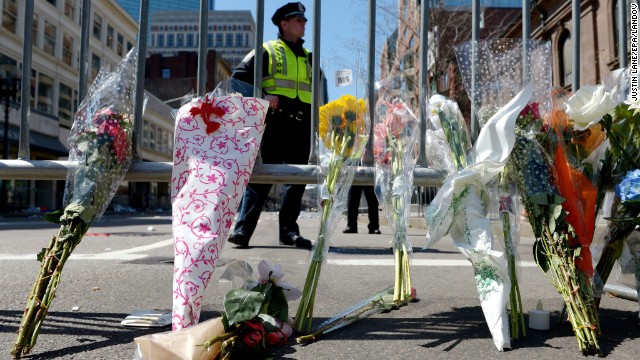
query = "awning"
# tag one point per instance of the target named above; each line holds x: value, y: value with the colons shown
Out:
x: 37, y: 141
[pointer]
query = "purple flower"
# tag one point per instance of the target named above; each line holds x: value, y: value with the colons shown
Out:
x: 629, y: 188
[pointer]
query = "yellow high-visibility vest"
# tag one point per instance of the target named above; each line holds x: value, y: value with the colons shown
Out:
x: 288, y: 75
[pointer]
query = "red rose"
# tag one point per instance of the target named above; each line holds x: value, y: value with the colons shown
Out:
x: 252, y: 338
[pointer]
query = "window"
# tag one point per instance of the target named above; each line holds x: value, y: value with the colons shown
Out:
x: 49, y: 45
x: 180, y: 40
x: 97, y: 26
x: 53, y: 2
x: 67, y: 49
x: 170, y: 40
x: 166, y: 73
x: 190, y: 40
x: 110, y: 36
x: 145, y: 134
x: 160, y: 40
x: 69, y: 9
x: 9, y: 15
x: 65, y: 102
x: 229, y: 40
x: 45, y: 94
x: 152, y: 137
x: 210, y: 40
x: 120, y: 45
x: 129, y: 46
x: 34, y: 32
x: 32, y: 99
x: 239, y: 40
x: 219, y: 40
x: 565, y: 59
x: 95, y: 65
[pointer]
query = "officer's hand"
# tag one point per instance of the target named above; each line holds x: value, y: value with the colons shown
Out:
x: 273, y: 101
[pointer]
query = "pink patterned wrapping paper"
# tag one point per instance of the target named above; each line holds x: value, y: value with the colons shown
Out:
x: 215, y: 147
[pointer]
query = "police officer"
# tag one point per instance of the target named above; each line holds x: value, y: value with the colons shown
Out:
x: 286, y: 82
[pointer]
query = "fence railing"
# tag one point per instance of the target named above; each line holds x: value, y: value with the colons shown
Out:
x: 24, y: 168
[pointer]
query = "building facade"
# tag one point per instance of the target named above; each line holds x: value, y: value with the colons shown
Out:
x: 551, y: 21
x: 132, y: 7
x: 54, y: 83
x: 231, y: 33
x: 449, y: 25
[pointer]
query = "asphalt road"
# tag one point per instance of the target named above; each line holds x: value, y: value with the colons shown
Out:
x: 124, y: 266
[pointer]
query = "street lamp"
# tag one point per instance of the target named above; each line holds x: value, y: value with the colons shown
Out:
x: 8, y: 92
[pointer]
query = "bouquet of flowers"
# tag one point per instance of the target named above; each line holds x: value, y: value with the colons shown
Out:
x: 343, y: 130
x: 101, y: 152
x: 217, y: 138
x: 255, y: 320
x: 598, y: 112
x: 558, y: 249
x: 395, y: 152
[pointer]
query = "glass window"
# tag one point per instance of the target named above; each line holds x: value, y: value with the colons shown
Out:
x: 145, y: 133
x: 65, y: 102
x: 170, y: 41
x: 53, y: 2
x: 180, y: 40
x: 67, y: 49
x: 190, y: 40
x: 120, y: 45
x: 34, y: 32
x: 97, y: 26
x: 229, y: 40
x: 110, y: 36
x: 32, y: 99
x: 95, y: 65
x: 166, y: 73
x: 239, y: 40
x: 565, y: 59
x: 219, y: 39
x: 152, y: 137
x: 69, y: 9
x: 45, y: 94
x: 160, y: 40
x: 210, y: 40
x: 49, y: 45
x: 129, y: 46
x: 9, y: 15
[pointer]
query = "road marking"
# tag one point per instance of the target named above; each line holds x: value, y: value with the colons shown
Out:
x: 414, y: 262
x: 125, y: 254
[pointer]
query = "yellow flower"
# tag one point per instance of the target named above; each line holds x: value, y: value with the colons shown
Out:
x: 343, y: 120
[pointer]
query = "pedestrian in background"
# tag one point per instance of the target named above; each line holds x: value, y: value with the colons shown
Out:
x: 286, y: 82
x: 353, y: 205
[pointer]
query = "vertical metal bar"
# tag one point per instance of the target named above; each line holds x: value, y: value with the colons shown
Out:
x: 526, y: 36
x: 25, y: 96
x: 202, y: 51
x: 575, y: 41
x: 622, y: 33
x: 475, y: 36
x: 84, y: 49
x: 140, y: 70
x: 371, y: 76
x: 316, y: 80
x: 257, y: 70
x: 424, y: 79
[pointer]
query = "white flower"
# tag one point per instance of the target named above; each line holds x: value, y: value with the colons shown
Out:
x: 589, y: 104
x: 274, y: 273
x: 635, y: 105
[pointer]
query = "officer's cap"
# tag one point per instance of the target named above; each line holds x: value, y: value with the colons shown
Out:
x: 294, y: 9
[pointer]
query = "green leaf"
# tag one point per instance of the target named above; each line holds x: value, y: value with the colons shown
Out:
x: 556, y: 210
x: 241, y: 305
x: 540, y: 256
x: 53, y: 216
x: 41, y: 254
x: 278, y: 306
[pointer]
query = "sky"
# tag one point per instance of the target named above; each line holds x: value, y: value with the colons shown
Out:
x: 343, y: 31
